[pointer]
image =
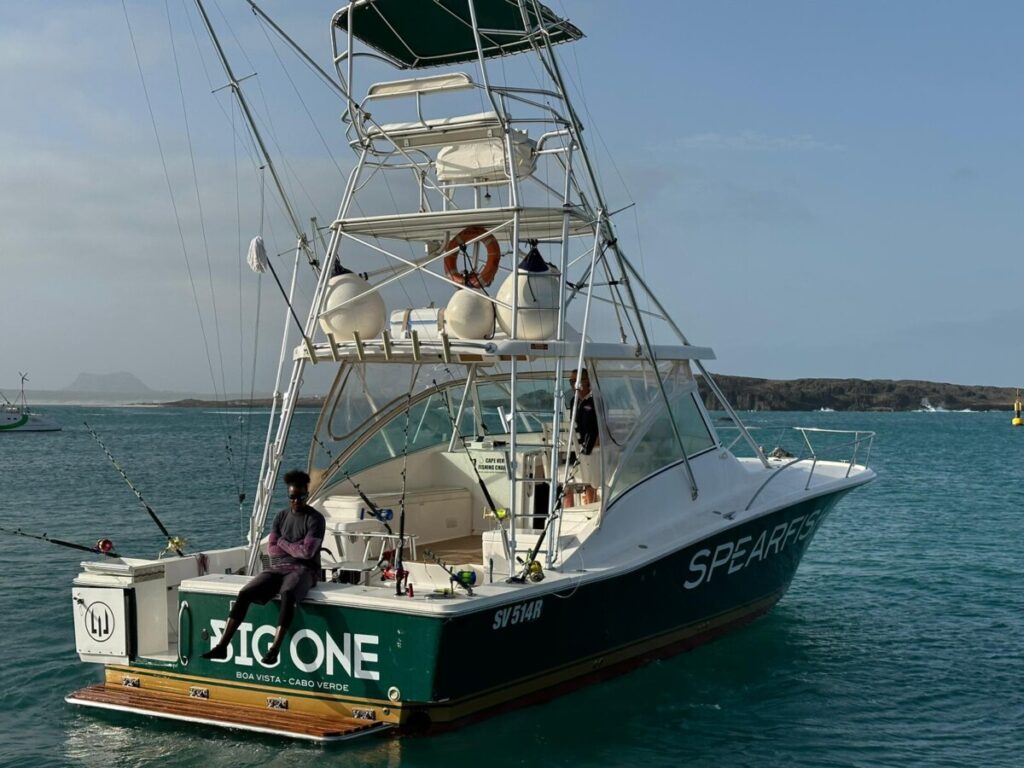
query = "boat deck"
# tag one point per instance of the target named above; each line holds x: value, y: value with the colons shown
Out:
x: 201, y: 710
x: 463, y: 549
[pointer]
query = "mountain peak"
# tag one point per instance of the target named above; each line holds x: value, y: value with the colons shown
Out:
x: 121, y: 383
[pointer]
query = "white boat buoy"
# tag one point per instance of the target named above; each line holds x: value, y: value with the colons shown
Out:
x: 538, y: 298
x: 469, y: 315
x: 341, y: 317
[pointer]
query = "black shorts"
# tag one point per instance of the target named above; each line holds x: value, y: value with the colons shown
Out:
x: 269, y: 584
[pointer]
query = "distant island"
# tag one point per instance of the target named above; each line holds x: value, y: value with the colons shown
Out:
x: 311, y: 401
x: 751, y: 394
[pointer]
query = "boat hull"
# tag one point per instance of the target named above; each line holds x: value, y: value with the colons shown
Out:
x: 28, y: 422
x: 435, y: 671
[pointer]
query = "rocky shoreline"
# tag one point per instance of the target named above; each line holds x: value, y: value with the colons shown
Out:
x: 750, y: 394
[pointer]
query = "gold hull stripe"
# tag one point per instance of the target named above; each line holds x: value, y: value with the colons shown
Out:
x: 326, y: 704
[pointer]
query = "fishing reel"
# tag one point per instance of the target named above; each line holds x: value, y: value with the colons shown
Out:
x: 175, y: 544
x: 533, y: 571
x: 388, y: 572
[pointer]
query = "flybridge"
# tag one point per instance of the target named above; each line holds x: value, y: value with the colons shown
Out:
x: 415, y: 35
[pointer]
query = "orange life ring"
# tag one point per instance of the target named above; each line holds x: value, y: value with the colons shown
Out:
x: 473, y: 278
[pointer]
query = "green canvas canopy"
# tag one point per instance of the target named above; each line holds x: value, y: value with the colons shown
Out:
x: 414, y: 34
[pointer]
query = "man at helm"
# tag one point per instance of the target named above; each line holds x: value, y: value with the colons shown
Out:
x: 587, y: 433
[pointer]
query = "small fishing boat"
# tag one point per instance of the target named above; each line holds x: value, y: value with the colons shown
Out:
x: 16, y: 416
x: 524, y: 493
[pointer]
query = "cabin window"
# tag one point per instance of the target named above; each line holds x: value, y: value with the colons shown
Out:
x: 534, y: 401
x: 651, y: 443
x: 373, y: 398
x: 428, y: 425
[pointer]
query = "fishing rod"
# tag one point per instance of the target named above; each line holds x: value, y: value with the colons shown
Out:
x: 400, y: 553
x: 532, y: 568
x: 103, y: 546
x: 174, y: 543
x: 499, y: 513
x: 456, y: 578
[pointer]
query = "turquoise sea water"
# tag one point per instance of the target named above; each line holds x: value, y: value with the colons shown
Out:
x: 900, y: 643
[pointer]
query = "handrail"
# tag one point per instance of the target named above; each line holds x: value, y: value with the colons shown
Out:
x: 183, y: 659
x: 860, y: 436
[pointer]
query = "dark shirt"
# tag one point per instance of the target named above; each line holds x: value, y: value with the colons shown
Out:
x: 295, y: 540
x: 586, y: 424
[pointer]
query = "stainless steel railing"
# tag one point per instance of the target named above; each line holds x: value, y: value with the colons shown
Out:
x: 859, y: 445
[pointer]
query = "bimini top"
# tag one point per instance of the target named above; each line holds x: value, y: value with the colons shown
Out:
x: 414, y: 34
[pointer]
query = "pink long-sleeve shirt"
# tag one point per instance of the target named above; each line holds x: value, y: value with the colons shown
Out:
x: 295, y: 540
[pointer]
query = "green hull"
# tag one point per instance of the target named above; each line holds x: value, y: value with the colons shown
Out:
x: 416, y: 670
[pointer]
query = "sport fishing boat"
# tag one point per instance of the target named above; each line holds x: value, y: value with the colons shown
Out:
x: 500, y: 527
x: 18, y: 417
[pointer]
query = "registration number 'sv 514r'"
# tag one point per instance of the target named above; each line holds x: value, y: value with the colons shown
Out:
x: 517, y: 614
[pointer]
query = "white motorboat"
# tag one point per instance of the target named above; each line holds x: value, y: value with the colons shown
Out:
x: 16, y: 416
x: 486, y: 546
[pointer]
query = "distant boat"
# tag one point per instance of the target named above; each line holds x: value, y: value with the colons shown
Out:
x: 17, y: 417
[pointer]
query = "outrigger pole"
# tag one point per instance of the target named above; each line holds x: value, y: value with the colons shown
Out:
x: 236, y: 88
x: 174, y: 543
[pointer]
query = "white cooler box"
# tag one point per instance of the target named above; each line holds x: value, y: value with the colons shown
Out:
x: 434, y: 514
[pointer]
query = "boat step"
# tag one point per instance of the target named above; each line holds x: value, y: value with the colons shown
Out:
x: 195, y: 710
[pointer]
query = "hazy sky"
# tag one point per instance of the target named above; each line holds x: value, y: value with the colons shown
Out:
x: 824, y: 189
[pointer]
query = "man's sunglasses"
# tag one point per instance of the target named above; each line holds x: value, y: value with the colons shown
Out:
x: 298, y: 496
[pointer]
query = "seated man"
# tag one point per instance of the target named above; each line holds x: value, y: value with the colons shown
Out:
x: 587, y: 433
x: 294, y: 548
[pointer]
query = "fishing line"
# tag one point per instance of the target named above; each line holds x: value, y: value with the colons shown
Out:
x: 199, y: 198
x: 399, y: 571
x: 298, y: 94
x: 170, y: 192
x: 174, y: 543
